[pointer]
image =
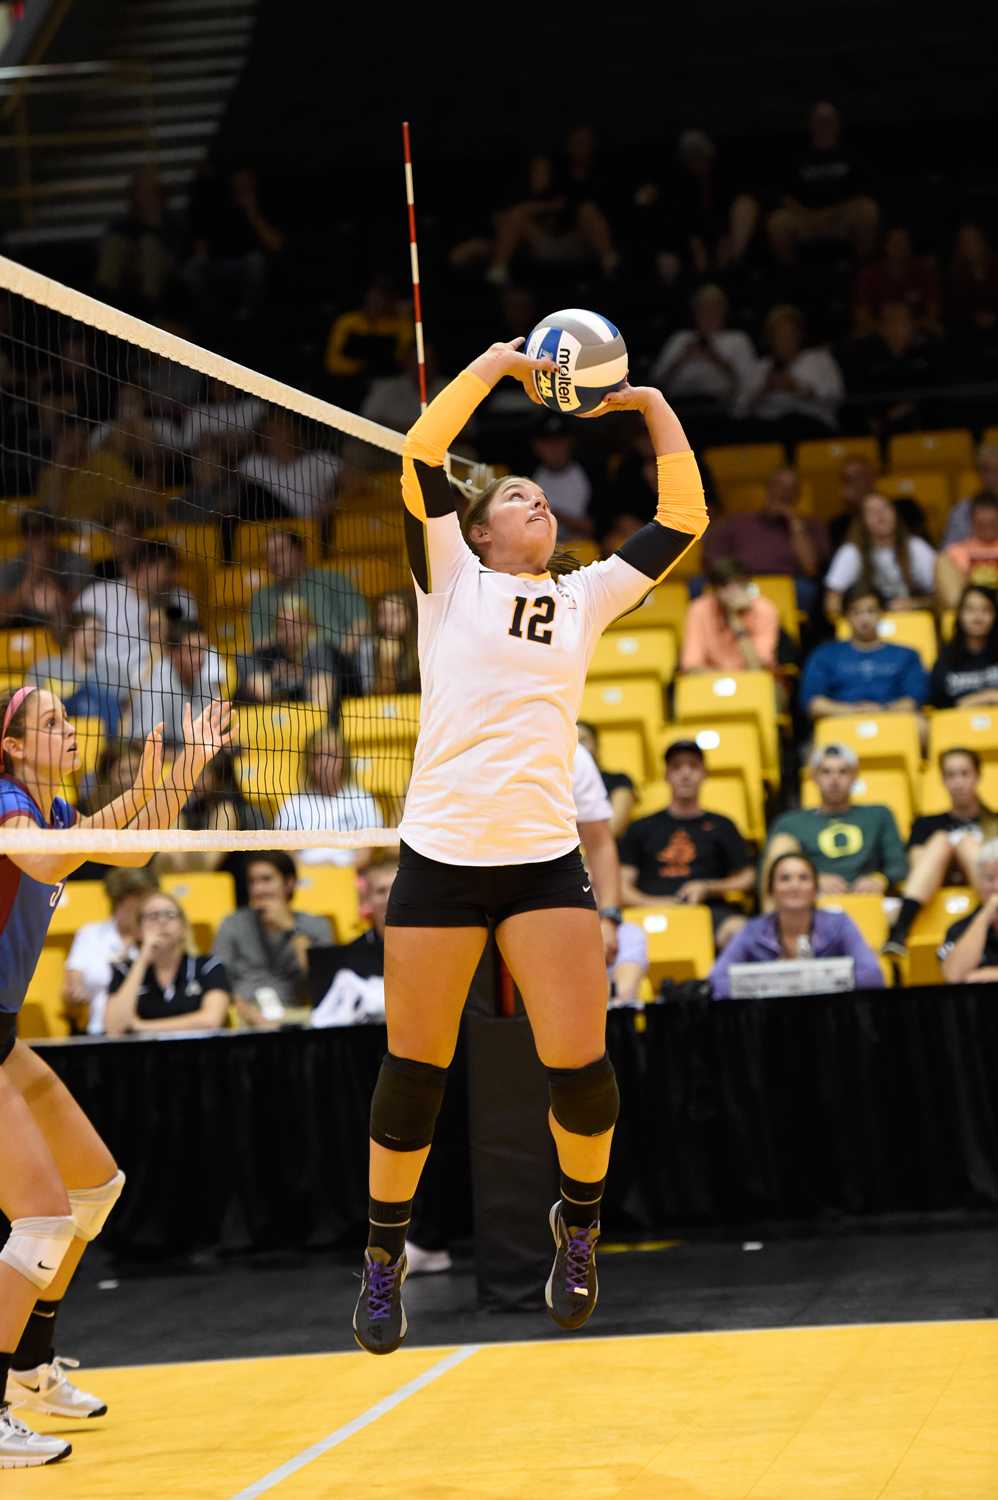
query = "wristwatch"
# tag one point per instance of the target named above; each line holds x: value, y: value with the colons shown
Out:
x: 611, y: 913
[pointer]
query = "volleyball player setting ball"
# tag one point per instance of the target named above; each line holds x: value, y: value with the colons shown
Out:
x: 507, y: 628
x: 58, y: 1181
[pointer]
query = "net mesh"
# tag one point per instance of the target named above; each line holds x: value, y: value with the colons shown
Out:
x: 176, y: 530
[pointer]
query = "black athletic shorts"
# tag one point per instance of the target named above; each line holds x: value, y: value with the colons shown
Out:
x: 428, y: 893
x: 8, y: 1034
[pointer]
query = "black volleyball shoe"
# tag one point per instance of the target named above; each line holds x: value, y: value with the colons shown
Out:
x: 379, y: 1321
x: 573, y: 1286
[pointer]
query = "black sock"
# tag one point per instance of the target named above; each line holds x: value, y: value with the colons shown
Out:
x: 580, y: 1201
x: 910, y: 909
x: 5, y: 1360
x: 37, y: 1346
x: 388, y: 1225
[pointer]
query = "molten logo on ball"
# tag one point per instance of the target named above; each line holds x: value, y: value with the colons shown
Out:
x: 590, y: 355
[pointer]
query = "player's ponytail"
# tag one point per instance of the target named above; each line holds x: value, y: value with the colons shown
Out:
x: 561, y: 560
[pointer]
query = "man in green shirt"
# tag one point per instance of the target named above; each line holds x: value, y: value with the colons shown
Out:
x: 334, y: 604
x: 853, y: 848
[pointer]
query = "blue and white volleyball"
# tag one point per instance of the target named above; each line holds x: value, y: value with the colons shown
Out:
x: 590, y: 354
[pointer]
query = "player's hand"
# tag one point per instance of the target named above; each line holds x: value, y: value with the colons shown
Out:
x: 151, y: 766
x: 610, y: 941
x: 624, y: 398
x: 692, y: 893
x: 211, y: 731
x: 520, y: 366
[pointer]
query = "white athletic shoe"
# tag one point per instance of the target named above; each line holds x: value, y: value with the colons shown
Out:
x: 48, y: 1389
x: 426, y: 1262
x: 20, y: 1448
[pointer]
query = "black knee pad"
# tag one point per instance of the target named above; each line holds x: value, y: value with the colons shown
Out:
x: 585, y: 1100
x: 406, y: 1102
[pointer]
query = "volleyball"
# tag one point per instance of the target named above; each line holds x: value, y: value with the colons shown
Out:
x: 590, y: 354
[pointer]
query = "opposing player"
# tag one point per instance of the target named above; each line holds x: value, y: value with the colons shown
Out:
x: 58, y: 1181
x: 489, y: 834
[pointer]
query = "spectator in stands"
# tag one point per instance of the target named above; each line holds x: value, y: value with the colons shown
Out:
x: 827, y: 195
x: 881, y: 554
x: 943, y: 847
x: 370, y: 341
x: 26, y: 581
x: 389, y: 658
x: 898, y: 364
x: 857, y: 479
x: 898, y: 276
x: 394, y: 400
x: 227, y: 419
x: 958, y: 524
x: 699, y: 217
x: 632, y: 488
x: 795, y: 391
x: 74, y: 675
x: 619, y: 786
x: 137, y: 255
x: 972, y: 286
x: 969, y: 954
x: 188, y: 672
x: 686, y: 855
x: 553, y: 223
x: 302, y: 478
x: 330, y: 800
x: 332, y: 601
x: 966, y: 672
x: 709, y: 362
x: 123, y: 609
x: 218, y: 804
x: 145, y: 445
x: 562, y: 478
x: 972, y: 561
x: 235, y: 243
x: 165, y: 987
x: 732, y: 627
x: 853, y: 847
x: 863, y: 675
x: 796, y: 929
x: 215, y: 491
x: 98, y: 945
x: 264, y: 945
x: 375, y: 882
x: 297, y: 665
x: 777, y: 539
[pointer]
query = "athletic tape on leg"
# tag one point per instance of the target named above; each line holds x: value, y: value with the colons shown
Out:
x: 37, y: 1247
x: 91, y: 1206
x: 406, y: 1102
x: 585, y: 1101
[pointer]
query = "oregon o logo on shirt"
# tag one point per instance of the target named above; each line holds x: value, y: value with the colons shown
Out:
x: 837, y: 840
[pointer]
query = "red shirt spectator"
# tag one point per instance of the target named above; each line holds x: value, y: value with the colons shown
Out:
x: 898, y: 276
x: 775, y: 540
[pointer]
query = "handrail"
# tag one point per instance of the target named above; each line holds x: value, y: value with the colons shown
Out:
x: 28, y: 71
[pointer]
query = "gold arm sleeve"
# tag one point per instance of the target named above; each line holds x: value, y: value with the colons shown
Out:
x: 681, y: 504
x: 429, y: 438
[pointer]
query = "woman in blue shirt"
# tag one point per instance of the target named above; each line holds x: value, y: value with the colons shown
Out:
x: 58, y: 1181
x: 796, y: 928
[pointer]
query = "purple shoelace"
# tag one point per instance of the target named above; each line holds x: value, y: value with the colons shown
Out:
x: 380, y: 1290
x: 577, y: 1257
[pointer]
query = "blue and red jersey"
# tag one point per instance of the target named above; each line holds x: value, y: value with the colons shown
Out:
x: 26, y: 905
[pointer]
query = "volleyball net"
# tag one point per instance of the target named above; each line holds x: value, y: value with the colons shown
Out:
x: 178, y: 529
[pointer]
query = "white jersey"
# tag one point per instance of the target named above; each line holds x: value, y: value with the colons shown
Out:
x: 503, y: 660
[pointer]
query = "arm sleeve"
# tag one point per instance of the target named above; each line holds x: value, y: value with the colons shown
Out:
x: 738, y: 951
x: 895, y: 861
x: 437, y: 550
x: 613, y: 587
x: 214, y: 977
x: 868, y: 973
x: 914, y: 683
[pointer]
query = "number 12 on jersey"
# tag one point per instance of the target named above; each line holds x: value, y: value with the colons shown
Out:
x: 543, y: 614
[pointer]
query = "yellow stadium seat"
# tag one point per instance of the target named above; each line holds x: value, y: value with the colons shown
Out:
x: 881, y: 741
x: 931, y: 489
x: 386, y: 777
x: 269, y: 777
x: 871, y: 788
x: 964, y: 729
x: 330, y: 891
x: 81, y: 901
x: 635, y: 654
x: 42, y: 1013
x: 946, y: 907
x: 690, y: 565
x: 741, y: 499
x: 251, y: 540
x: 20, y: 649
x: 967, y: 484
x: 904, y: 627
x: 666, y: 605
x: 634, y: 702
x: 373, y: 574
x: 231, y: 587
x: 933, y: 797
x: 277, y: 727
x: 622, y: 751
x: 720, y: 794
x: 680, y: 941
x: 827, y: 455
x: 193, y: 542
x: 207, y: 896
x: 779, y: 590
x: 951, y: 449
x: 731, y: 752
x: 871, y: 917
x: 743, y: 463
x: 747, y: 697
x: 381, y: 720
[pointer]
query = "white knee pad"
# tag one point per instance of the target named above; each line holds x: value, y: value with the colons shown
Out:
x: 91, y: 1206
x: 36, y: 1247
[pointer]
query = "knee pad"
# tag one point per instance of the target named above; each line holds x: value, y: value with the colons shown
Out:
x: 37, y: 1247
x: 406, y: 1102
x: 90, y: 1207
x: 585, y: 1100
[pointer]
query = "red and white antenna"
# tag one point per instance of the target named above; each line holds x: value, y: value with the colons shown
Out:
x: 417, y: 300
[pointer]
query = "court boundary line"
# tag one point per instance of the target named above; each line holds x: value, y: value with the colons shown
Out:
x: 356, y: 1424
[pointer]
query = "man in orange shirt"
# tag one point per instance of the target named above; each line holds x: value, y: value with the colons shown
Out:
x: 972, y: 561
x: 731, y: 627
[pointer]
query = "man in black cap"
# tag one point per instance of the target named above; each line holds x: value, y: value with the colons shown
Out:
x: 686, y: 855
x: 562, y: 478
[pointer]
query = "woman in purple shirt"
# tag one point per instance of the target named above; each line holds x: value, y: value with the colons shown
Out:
x: 795, y: 929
